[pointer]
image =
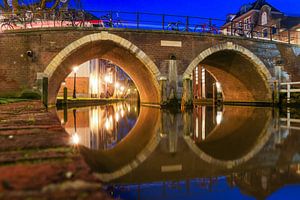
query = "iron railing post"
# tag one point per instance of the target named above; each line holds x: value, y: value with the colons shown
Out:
x: 163, y: 22
x: 137, y: 20
x: 187, y: 24
x: 271, y: 32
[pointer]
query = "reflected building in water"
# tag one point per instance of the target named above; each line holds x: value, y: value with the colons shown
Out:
x: 100, y: 127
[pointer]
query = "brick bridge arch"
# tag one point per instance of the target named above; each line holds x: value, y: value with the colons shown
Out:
x: 243, y: 76
x: 129, y: 57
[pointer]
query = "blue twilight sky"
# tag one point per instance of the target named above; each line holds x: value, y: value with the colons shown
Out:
x: 202, y: 8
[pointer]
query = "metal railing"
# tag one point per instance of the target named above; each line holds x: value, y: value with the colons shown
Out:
x: 288, y: 89
x: 144, y: 21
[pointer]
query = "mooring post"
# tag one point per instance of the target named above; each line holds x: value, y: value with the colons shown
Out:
x: 163, y: 90
x: 65, y: 101
x: 276, y: 92
x: 45, y: 91
x: 288, y: 98
x: 187, y: 92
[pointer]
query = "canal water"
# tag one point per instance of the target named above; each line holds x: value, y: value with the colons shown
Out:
x: 226, y: 152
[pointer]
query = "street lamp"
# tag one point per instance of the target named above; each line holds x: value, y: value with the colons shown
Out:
x: 75, y: 69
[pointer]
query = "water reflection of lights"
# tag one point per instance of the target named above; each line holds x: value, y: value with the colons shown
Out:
x: 75, y: 139
x: 128, y: 108
x: 99, y: 127
x: 219, y: 117
x: 107, y: 126
x: 122, y: 113
x: 94, y: 118
x: 117, y: 116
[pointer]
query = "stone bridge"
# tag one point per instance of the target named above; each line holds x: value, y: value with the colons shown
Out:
x: 160, y: 63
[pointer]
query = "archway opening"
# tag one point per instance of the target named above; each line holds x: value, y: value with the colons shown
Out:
x: 235, y: 74
x: 128, y: 57
x: 98, y: 79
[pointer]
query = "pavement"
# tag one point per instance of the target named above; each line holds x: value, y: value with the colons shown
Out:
x: 37, y: 160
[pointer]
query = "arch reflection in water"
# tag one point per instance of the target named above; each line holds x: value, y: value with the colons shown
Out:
x: 99, y: 127
x: 247, y: 148
x: 230, y: 135
x: 189, y: 143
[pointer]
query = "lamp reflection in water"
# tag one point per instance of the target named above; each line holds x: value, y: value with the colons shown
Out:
x: 99, y: 127
x: 219, y: 117
x: 205, y: 119
x: 75, y: 137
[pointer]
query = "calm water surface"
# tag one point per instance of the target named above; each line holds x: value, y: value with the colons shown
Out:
x: 205, y: 153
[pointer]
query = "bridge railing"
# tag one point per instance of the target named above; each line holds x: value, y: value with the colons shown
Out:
x: 144, y: 21
x: 287, y: 88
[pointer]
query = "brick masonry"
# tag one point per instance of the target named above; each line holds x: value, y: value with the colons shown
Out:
x: 141, y: 55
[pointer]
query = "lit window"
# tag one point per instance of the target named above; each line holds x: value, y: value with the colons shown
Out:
x: 196, y: 76
x: 247, y: 23
x: 264, y: 18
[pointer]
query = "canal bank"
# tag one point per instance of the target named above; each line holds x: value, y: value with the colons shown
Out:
x: 37, y: 160
x: 80, y: 102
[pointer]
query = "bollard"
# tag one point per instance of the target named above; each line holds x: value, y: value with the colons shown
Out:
x: 163, y: 90
x: 65, y: 113
x: 45, y: 91
x: 187, y: 93
x: 65, y: 101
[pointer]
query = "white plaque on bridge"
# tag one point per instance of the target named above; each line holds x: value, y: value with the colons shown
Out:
x: 169, y: 43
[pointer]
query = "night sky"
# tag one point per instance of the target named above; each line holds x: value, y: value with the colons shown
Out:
x: 209, y: 8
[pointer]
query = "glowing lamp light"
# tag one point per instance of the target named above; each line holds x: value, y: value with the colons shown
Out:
x: 63, y: 84
x: 117, y: 117
x: 122, y: 88
x: 122, y: 113
x: 298, y: 29
x: 218, y: 85
x: 75, y: 69
x: 75, y: 139
x: 117, y: 85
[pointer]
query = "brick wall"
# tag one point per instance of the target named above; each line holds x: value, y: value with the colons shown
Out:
x: 82, y: 87
x: 18, y: 71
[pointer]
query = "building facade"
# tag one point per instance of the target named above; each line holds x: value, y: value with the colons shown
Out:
x: 98, y: 78
x: 262, y: 20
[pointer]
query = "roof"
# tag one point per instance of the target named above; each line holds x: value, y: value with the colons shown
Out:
x: 257, y: 5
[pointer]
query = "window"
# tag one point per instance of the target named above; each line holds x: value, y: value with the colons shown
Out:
x: 265, y: 33
x: 240, y: 25
x: 196, y: 76
x: 264, y: 18
x: 247, y: 23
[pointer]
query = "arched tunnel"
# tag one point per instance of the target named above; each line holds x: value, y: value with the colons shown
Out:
x: 129, y: 61
x: 242, y: 75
